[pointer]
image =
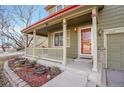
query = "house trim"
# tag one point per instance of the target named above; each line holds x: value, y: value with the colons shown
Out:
x: 79, y: 40
x: 63, y: 11
x: 64, y: 41
x: 53, y: 44
x: 111, y: 31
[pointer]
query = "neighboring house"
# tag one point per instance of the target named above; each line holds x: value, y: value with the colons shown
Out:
x: 81, y: 31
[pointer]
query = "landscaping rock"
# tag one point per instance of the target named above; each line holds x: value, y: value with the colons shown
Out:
x: 54, y: 71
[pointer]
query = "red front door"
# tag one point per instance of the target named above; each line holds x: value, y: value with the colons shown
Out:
x: 86, y: 41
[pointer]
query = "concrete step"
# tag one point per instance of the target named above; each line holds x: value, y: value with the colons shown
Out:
x: 86, y: 56
x: 87, y: 60
x: 91, y: 84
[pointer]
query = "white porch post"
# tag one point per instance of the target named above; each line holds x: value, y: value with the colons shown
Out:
x: 64, y: 41
x: 34, y: 42
x: 94, y: 34
x: 25, y: 43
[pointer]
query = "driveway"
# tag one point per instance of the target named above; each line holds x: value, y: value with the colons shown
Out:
x: 115, y: 78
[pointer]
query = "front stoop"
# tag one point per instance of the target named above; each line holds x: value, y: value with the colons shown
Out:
x: 14, y: 79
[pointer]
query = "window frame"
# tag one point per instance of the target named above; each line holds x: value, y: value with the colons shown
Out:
x: 52, y: 10
x: 60, y: 9
x: 53, y: 44
x: 54, y: 38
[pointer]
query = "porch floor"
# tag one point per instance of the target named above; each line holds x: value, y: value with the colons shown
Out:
x: 71, y: 65
x: 80, y: 66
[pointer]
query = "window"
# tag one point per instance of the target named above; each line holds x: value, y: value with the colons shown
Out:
x: 52, y: 10
x: 58, y: 39
x: 59, y: 7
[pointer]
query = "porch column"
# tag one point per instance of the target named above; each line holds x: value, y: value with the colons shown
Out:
x: 25, y: 41
x: 94, y: 34
x: 34, y: 42
x: 64, y: 41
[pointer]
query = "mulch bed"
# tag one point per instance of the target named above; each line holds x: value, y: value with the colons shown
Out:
x: 28, y: 75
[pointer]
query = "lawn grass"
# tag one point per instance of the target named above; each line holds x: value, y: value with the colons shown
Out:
x: 3, y: 59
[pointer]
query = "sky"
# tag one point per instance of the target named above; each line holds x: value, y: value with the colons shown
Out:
x: 42, y: 14
x: 38, y: 15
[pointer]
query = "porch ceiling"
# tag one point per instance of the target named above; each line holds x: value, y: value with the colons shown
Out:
x: 74, y: 22
x: 75, y: 17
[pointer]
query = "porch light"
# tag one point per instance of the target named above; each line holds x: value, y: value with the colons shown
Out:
x: 100, y: 31
x: 75, y: 29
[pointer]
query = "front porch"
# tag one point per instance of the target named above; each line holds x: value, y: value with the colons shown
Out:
x: 66, y: 49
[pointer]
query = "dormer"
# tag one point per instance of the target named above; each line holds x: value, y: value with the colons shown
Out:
x: 54, y: 8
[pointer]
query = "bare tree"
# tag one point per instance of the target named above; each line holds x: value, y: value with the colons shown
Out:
x: 14, y: 18
x: 23, y: 15
x: 4, y: 26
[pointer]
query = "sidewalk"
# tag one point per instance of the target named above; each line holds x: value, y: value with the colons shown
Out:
x: 68, y: 79
x: 7, y: 54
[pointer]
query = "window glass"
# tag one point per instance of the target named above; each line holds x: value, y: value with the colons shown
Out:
x: 52, y: 10
x: 56, y: 41
x: 87, y: 35
x: 59, y: 7
x: 61, y: 39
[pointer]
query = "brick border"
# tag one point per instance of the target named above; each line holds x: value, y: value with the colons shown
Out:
x: 13, y: 78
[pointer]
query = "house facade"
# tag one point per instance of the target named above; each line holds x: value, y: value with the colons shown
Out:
x: 81, y: 31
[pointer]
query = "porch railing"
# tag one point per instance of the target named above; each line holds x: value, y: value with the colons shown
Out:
x: 29, y: 51
x: 48, y: 53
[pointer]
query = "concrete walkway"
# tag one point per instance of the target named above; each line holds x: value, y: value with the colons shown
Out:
x: 68, y: 79
x: 115, y: 78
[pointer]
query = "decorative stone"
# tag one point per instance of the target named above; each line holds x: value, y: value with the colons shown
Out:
x: 54, y: 71
x: 26, y: 86
x: 29, y: 65
x: 17, y: 81
x: 40, y: 70
x: 48, y: 76
x: 22, y: 84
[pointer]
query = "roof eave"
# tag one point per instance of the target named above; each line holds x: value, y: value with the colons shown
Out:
x: 49, y: 17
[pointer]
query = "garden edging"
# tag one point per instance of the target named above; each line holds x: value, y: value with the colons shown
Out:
x: 14, y: 79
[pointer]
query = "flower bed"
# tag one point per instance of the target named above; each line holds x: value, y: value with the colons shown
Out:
x: 29, y: 74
